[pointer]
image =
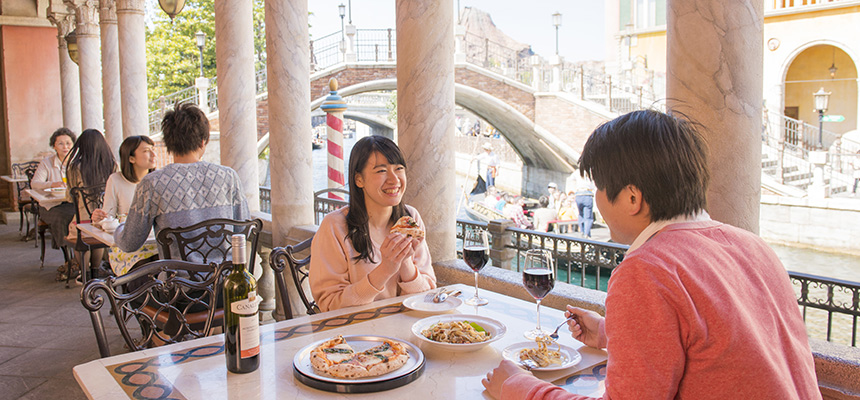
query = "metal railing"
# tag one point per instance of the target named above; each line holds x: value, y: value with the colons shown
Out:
x: 375, y: 44
x: 510, y: 62
x: 838, y: 301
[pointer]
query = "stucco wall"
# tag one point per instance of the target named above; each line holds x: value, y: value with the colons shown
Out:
x: 31, y: 79
x: 827, y: 224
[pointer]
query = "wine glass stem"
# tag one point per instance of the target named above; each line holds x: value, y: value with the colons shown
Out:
x: 538, y: 316
x: 476, y: 286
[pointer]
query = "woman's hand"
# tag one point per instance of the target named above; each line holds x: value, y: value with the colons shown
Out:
x: 497, y: 377
x: 58, y: 184
x: 98, y: 215
x: 395, y: 248
x: 584, y: 326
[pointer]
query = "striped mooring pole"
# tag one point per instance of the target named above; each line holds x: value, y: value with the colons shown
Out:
x: 334, y: 106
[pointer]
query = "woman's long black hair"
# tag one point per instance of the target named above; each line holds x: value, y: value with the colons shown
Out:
x: 356, y: 218
x: 92, y: 157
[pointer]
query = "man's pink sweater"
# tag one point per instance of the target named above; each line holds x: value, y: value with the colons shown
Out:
x: 337, y: 280
x: 702, y: 310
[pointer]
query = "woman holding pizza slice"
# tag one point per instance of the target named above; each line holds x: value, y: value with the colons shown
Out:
x: 356, y: 258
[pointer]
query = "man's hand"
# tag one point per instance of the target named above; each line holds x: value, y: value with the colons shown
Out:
x: 497, y: 377
x: 584, y: 326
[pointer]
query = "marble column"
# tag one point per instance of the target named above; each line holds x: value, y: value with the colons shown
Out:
x: 89, y: 62
x: 110, y: 75
x: 714, y: 76
x: 132, y: 64
x: 288, y: 65
x: 237, y: 106
x: 69, y: 76
x: 425, y: 116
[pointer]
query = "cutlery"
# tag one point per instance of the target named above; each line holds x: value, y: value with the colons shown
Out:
x: 441, y: 296
x: 432, y: 296
x: 554, y: 334
x: 528, y: 364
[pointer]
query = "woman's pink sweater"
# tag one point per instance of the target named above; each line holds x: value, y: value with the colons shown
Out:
x: 337, y: 280
x: 702, y: 310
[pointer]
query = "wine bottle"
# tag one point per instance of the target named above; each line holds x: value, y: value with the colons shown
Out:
x: 241, y: 322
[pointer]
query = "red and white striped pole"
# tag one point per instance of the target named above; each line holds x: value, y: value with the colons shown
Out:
x: 334, y: 106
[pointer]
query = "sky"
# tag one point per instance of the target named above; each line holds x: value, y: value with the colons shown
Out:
x: 580, y: 34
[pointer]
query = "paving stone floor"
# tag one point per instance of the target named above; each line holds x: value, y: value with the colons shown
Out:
x: 44, y: 329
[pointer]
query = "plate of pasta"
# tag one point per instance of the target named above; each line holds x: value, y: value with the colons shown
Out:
x: 458, y: 332
x: 548, y: 354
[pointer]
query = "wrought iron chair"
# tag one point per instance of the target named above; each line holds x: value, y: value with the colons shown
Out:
x: 280, y: 259
x: 28, y: 205
x: 167, y: 290
x: 209, y: 241
x: 89, y: 198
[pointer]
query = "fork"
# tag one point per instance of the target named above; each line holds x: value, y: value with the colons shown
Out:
x: 554, y: 334
x: 430, y: 297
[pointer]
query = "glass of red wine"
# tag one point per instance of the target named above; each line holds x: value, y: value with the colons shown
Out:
x: 539, y: 279
x: 476, y: 253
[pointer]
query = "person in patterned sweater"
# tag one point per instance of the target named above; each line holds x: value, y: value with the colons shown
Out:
x: 186, y: 192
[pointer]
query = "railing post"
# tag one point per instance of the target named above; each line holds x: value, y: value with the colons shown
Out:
x: 500, y: 253
x: 459, y: 39
x: 536, y: 75
x: 266, y: 286
x: 640, y: 97
x: 581, y: 83
x: 609, y: 92
x: 486, y: 52
x: 313, y: 58
x: 351, y: 55
x: 390, y: 50
x: 376, y: 52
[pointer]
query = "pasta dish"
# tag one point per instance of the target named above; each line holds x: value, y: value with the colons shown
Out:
x: 542, y: 355
x: 458, y: 332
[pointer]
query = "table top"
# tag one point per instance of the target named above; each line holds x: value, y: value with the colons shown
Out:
x: 105, y: 237
x: 197, y: 369
x: 46, y: 198
x: 11, y: 179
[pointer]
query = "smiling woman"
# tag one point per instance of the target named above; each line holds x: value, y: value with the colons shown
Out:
x: 355, y: 257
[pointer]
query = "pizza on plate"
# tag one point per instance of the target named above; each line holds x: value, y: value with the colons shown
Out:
x: 409, y: 227
x: 338, y: 359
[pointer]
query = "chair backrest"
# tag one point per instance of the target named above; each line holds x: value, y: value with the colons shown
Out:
x: 283, y: 258
x: 164, y: 293
x: 24, y: 169
x: 87, y: 198
x: 209, y: 241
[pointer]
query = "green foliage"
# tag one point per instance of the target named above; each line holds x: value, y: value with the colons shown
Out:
x: 172, y: 56
x: 392, y: 107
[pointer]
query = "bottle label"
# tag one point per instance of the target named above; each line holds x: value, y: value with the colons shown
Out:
x: 246, y: 306
x: 249, y: 336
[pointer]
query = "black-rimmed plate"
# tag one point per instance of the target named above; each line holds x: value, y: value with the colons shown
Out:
x: 409, y: 372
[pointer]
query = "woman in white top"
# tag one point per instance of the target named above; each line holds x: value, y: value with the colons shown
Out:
x: 49, y: 174
x: 137, y: 158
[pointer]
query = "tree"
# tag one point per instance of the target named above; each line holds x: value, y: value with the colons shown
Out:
x: 172, y: 56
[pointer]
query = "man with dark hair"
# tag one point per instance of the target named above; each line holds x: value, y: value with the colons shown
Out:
x: 186, y: 192
x: 697, y: 309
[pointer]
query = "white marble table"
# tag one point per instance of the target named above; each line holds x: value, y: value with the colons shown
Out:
x: 196, y: 369
x: 46, y: 198
x: 12, y: 179
x: 105, y: 237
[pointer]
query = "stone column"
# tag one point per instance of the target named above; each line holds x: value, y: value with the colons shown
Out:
x: 425, y: 116
x: 288, y: 66
x: 89, y: 61
x: 202, y: 84
x: 459, y: 44
x: 110, y: 75
x: 351, y: 56
x: 234, y: 54
x: 69, y: 75
x: 714, y: 75
x: 132, y: 56
x: 555, y: 62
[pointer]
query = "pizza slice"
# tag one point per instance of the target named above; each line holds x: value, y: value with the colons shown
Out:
x: 409, y: 227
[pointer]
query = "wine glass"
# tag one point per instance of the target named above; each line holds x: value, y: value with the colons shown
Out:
x: 539, y: 279
x: 476, y: 253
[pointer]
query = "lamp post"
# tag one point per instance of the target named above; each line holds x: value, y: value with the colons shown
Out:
x: 350, y: 11
x: 201, y: 42
x: 556, y: 21
x: 341, y: 10
x: 821, y: 99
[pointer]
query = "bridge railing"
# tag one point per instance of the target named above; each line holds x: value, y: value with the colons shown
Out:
x: 375, y: 45
x: 510, y: 62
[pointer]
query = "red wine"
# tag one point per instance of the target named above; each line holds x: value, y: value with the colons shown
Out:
x: 539, y: 282
x: 475, y: 257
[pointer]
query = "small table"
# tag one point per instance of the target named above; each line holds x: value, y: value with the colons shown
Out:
x: 12, y: 179
x: 105, y: 237
x: 196, y: 369
x: 48, y: 198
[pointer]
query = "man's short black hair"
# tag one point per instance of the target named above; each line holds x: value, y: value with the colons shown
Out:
x: 185, y: 128
x: 664, y: 156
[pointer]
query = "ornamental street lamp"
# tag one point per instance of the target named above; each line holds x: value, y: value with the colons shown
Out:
x: 201, y: 42
x: 171, y: 7
x: 556, y: 21
x: 341, y: 10
x: 821, y: 99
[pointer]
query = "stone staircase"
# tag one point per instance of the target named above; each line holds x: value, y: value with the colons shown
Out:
x: 798, y: 175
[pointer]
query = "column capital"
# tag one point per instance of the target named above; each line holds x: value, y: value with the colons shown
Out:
x: 107, y: 12
x: 130, y: 6
x: 87, y: 14
x: 64, y: 22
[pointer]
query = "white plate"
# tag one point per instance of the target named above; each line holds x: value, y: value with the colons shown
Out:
x: 56, y: 189
x: 570, y: 356
x: 418, y: 303
x: 495, y: 328
x: 359, y: 343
